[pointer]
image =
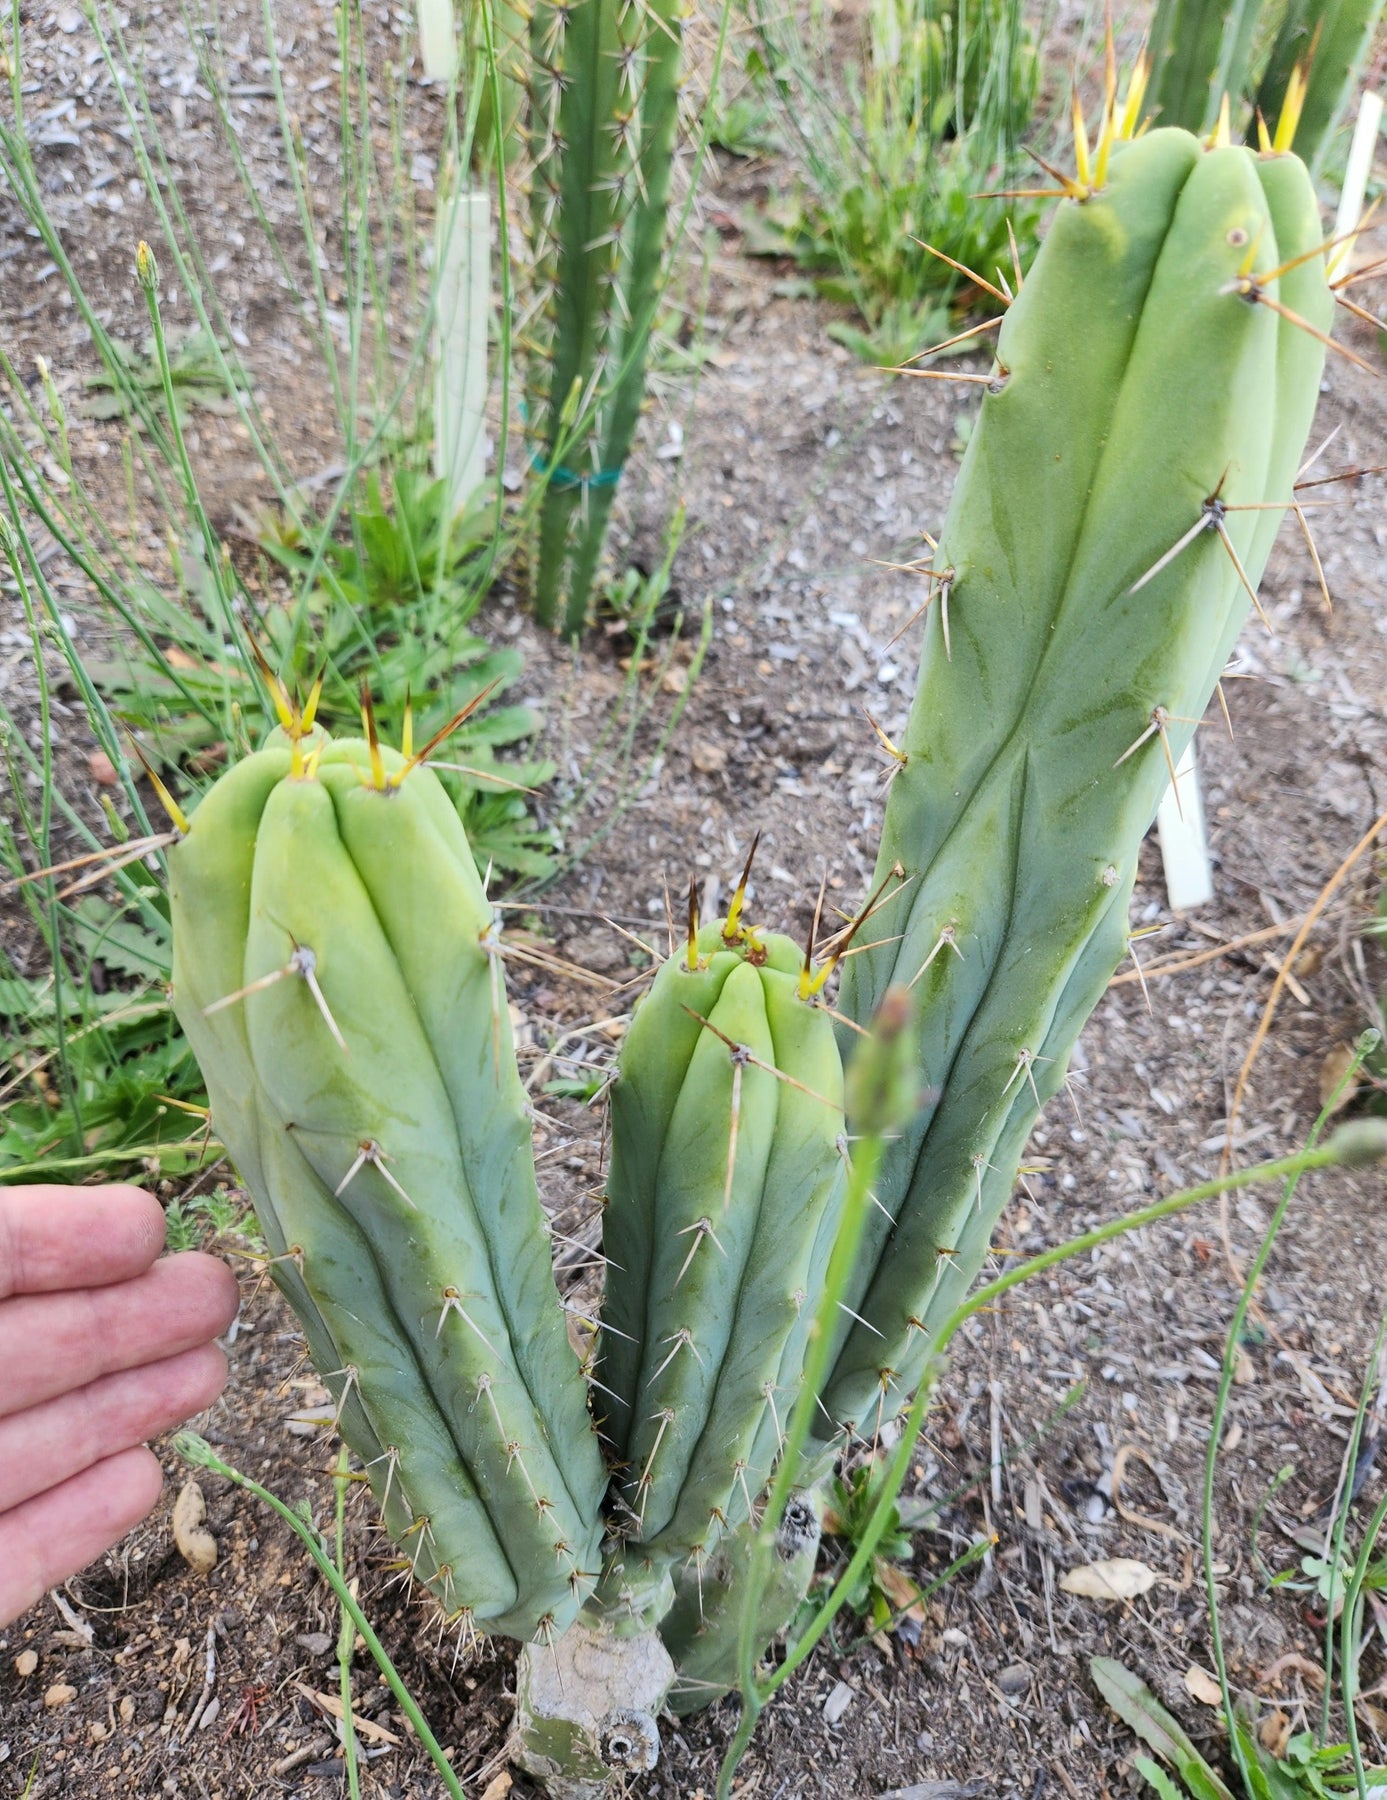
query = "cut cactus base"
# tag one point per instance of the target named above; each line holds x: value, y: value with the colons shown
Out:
x: 568, y: 1732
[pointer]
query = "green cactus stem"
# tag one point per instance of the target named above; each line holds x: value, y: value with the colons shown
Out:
x: 603, y: 115
x: 703, y: 1628
x: 337, y: 970
x: 725, y: 1185
x: 336, y: 973
x: 1314, y: 66
x: 1154, y: 383
x: 1200, y: 51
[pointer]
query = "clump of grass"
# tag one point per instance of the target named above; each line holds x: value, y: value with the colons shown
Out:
x: 893, y: 153
x: 885, y: 1593
x: 365, y: 577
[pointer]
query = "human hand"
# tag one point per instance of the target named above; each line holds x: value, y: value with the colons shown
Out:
x: 101, y: 1347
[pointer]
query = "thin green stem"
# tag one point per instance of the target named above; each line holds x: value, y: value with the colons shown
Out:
x: 102, y: 1159
x: 43, y: 841
x: 1343, y: 1506
x: 89, y: 558
x: 200, y: 1454
x: 1282, y: 1169
x: 188, y: 275
x: 85, y: 533
x: 492, y: 77
x: 866, y: 1161
x: 216, y: 563
x: 292, y: 154
x: 203, y: 42
x: 1225, y: 1388
x: 356, y: 235
x: 346, y: 1633
x: 1348, y: 1654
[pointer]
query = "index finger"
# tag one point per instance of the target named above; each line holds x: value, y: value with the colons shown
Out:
x: 53, y: 1238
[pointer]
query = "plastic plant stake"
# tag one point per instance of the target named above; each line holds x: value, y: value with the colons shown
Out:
x: 1189, y: 881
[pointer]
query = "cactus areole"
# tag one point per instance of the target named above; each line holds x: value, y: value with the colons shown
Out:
x: 337, y: 971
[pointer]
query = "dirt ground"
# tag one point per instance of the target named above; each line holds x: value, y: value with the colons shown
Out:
x: 804, y: 473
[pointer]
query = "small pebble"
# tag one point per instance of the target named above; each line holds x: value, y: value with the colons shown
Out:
x: 25, y: 1663
x: 195, y: 1542
x: 709, y: 758
x: 837, y: 1703
x: 1014, y: 1679
x: 59, y: 1695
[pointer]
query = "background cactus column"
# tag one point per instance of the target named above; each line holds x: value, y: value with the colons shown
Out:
x: 1328, y: 41
x: 1201, y: 50
x: 601, y: 130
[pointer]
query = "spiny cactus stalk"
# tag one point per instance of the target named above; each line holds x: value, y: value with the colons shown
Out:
x: 1154, y: 384
x: 1320, y: 48
x: 722, y: 1200
x: 1203, y: 51
x: 724, y: 1197
x: 335, y: 967
x: 603, y: 109
x: 335, y: 972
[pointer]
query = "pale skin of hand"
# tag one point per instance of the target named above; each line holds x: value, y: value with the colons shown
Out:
x: 104, y: 1343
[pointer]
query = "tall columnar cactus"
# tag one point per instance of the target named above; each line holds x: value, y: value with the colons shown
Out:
x: 334, y: 973
x: 1154, y: 385
x: 1200, y: 51
x: 1204, y: 50
x: 603, y: 110
x: 1322, y: 43
x: 723, y: 1200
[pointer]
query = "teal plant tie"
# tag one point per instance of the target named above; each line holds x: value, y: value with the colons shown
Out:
x: 561, y: 477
